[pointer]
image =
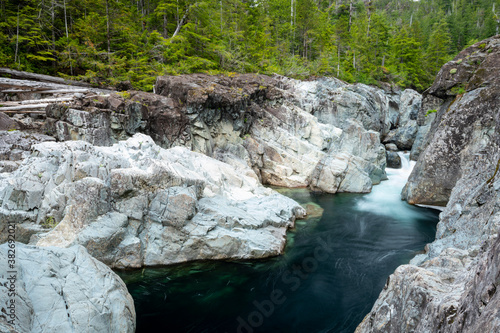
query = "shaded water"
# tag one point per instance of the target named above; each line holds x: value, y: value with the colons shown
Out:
x: 332, y: 271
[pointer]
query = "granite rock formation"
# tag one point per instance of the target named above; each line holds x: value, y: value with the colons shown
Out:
x: 291, y: 133
x: 453, y: 286
x: 135, y: 204
x: 63, y: 290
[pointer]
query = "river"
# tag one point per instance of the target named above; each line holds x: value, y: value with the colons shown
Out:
x: 332, y: 271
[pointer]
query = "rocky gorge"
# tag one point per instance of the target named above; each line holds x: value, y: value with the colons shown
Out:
x: 138, y: 179
x: 453, y: 286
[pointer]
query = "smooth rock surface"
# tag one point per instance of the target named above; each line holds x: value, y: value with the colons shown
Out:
x: 64, y: 290
x: 393, y: 160
x: 284, y: 129
x: 136, y: 204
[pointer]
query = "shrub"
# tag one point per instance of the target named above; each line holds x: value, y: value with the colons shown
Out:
x: 49, y: 223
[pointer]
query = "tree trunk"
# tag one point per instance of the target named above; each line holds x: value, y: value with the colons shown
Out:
x: 338, y: 61
x: 67, y: 38
x: 165, y: 33
x: 38, y: 77
x: 17, y: 37
x: 23, y: 107
x: 179, y: 25
x: 350, y: 16
x: 369, y: 18
x: 498, y: 19
x: 108, y: 37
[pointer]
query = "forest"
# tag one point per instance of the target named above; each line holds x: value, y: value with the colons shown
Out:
x: 105, y: 42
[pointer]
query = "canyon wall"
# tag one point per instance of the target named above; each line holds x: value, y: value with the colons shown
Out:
x: 453, y: 286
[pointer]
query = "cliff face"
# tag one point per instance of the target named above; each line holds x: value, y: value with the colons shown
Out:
x: 324, y: 134
x: 465, y: 122
x: 453, y: 286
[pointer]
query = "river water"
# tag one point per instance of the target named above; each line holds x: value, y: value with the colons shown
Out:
x: 332, y: 271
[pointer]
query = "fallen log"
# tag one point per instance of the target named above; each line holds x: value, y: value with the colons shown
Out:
x: 41, y: 87
x: 25, y: 111
x: 52, y: 91
x: 23, y: 107
x: 48, y: 100
x: 40, y: 77
x: 64, y: 91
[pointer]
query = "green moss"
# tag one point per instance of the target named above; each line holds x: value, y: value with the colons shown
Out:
x: 458, y: 90
x: 482, y: 46
x: 49, y: 223
x: 453, y: 71
x: 429, y: 112
x: 459, y: 61
x: 124, y: 94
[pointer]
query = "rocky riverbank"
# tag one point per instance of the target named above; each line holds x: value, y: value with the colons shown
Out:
x: 324, y: 134
x: 136, y: 204
x: 62, y: 290
x: 453, y: 286
x: 176, y: 176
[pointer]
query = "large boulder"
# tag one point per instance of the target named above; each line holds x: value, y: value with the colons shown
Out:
x: 463, y: 125
x: 393, y: 160
x: 452, y: 286
x: 8, y: 124
x: 62, y: 290
x: 136, y: 204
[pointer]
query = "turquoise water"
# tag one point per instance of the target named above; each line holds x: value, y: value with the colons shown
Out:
x: 332, y: 271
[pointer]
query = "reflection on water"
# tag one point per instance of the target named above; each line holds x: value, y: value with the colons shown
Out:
x: 332, y: 271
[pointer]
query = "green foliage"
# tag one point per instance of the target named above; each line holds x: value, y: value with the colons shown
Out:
x: 124, y: 94
x: 49, y: 223
x: 105, y: 42
x: 430, y: 112
x: 458, y: 90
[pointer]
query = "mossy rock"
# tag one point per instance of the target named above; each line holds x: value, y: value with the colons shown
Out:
x: 313, y: 210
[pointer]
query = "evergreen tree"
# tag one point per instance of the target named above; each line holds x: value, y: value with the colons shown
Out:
x: 438, y: 50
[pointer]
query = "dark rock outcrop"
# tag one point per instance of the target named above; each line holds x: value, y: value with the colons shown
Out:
x: 470, y: 86
x: 291, y: 133
x: 452, y: 287
x: 393, y: 160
